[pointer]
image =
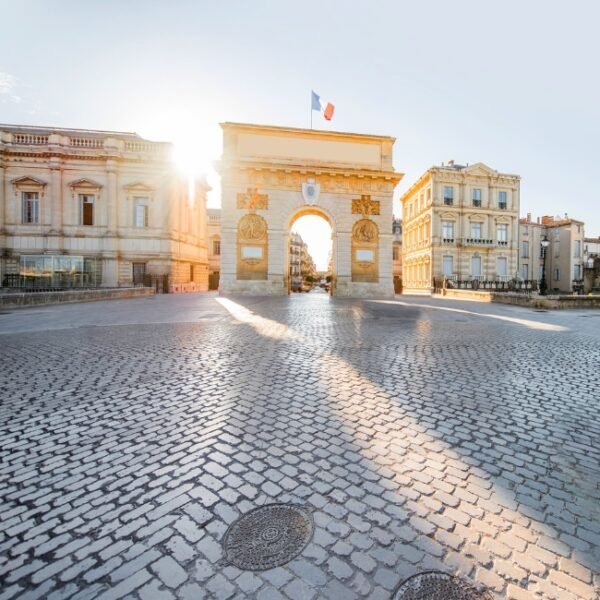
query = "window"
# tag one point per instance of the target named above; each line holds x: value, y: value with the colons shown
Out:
x: 577, y: 249
x: 525, y: 230
x: 576, y: 271
x: 556, y: 274
x: 396, y: 252
x: 31, y: 207
x: 502, y: 232
x: 476, y: 266
x: 476, y: 231
x: 140, y: 215
x: 524, y: 249
x: 448, y: 266
x: 448, y: 195
x: 501, y: 264
x: 502, y: 200
x: 476, y: 197
x: 556, y: 249
x: 448, y: 230
x: 216, y: 247
x: 86, y: 209
x: 525, y: 271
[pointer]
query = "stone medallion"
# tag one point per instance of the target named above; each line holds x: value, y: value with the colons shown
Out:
x: 268, y: 537
x: 435, y: 585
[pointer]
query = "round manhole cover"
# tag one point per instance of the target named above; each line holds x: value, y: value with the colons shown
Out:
x: 435, y: 585
x: 268, y: 536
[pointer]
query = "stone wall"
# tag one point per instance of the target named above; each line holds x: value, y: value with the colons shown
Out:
x: 16, y: 299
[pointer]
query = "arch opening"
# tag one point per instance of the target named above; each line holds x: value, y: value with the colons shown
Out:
x: 310, y: 256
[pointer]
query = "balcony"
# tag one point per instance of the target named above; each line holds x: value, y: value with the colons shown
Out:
x: 448, y: 201
x: 478, y: 242
x: 477, y: 203
x: 502, y: 205
x: 502, y: 243
x: 448, y: 240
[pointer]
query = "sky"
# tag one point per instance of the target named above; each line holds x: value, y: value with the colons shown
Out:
x: 513, y: 84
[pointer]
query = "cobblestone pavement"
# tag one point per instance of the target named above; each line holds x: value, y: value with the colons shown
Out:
x: 422, y: 434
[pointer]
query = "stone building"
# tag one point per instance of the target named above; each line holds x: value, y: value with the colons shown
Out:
x: 214, y: 247
x: 272, y: 176
x: 397, y: 254
x: 87, y: 208
x: 295, y: 261
x: 459, y: 222
x: 564, y: 256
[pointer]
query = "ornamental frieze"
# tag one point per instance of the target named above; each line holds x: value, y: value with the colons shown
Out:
x: 252, y: 200
x: 365, y: 206
x: 332, y: 184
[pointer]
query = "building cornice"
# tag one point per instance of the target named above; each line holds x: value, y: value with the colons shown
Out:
x: 304, y: 169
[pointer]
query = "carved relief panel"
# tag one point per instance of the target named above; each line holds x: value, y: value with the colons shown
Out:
x: 365, y: 251
x: 252, y: 248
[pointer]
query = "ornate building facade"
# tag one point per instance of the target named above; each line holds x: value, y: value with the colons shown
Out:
x: 214, y: 247
x: 97, y: 208
x: 459, y: 222
x: 565, y: 256
x: 271, y: 176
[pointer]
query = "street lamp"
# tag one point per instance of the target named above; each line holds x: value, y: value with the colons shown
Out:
x: 545, y: 242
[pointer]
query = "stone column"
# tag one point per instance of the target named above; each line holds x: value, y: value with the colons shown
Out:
x: 3, y: 200
x: 56, y: 196
x: 112, y: 199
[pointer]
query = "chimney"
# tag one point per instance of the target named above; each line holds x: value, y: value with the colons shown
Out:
x: 451, y: 163
x: 529, y: 217
x: 538, y: 220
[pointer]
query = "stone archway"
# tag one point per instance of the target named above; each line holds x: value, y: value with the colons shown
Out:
x: 274, y: 175
x: 317, y: 211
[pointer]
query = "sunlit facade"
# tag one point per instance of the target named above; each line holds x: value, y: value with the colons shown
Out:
x: 85, y: 208
x: 459, y: 222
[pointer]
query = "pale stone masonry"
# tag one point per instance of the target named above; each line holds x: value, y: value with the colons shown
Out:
x: 214, y: 246
x: 564, y: 256
x: 460, y: 222
x: 108, y: 207
x: 271, y: 176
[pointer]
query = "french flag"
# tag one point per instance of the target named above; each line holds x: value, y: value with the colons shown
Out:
x: 326, y: 107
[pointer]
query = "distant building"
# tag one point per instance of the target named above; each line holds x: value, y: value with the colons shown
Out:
x: 397, y: 254
x: 459, y: 222
x: 302, y: 265
x: 85, y: 208
x: 564, y: 256
x: 591, y: 248
x: 214, y: 247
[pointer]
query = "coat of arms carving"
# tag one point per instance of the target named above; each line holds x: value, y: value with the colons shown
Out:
x: 252, y: 200
x: 365, y: 206
x: 310, y: 191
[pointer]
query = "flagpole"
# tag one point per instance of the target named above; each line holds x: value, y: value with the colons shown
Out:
x: 311, y: 110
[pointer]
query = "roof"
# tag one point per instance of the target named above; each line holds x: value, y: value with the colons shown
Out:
x: 90, y: 133
x: 233, y: 125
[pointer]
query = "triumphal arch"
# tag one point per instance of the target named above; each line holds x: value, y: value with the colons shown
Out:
x: 271, y: 176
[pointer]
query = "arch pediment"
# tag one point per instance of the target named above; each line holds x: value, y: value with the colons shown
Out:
x: 138, y: 187
x: 85, y: 184
x: 28, y: 181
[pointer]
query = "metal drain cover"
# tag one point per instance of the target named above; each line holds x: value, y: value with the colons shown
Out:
x: 268, y: 536
x: 435, y: 585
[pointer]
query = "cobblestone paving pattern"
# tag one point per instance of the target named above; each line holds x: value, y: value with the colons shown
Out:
x: 422, y: 435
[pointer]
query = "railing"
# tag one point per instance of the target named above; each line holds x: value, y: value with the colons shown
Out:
x: 142, y: 147
x: 448, y: 201
x: 48, y: 283
x: 577, y: 285
x: 502, y: 284
x: 502, y: 243
x: 502, y: 205
x: 448, y: 240
x: 86, y: 142
x: 477, y: 203
x: 30, y: 139
x: 479, y: 242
